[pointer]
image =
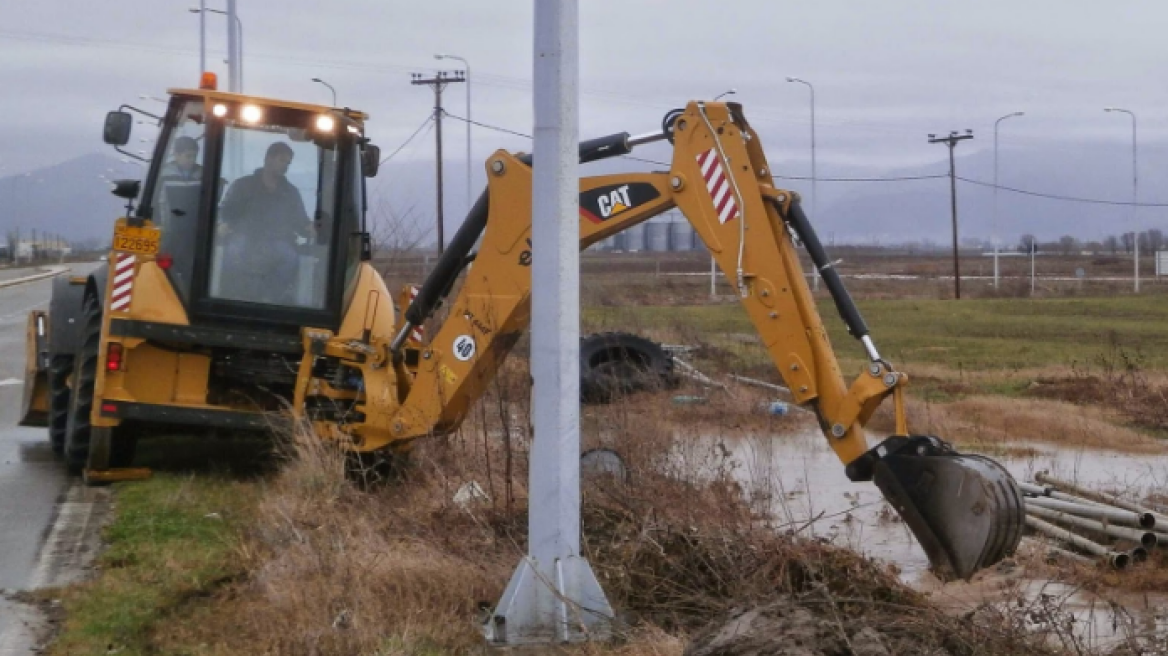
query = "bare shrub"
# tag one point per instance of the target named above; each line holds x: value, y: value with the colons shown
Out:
x: 410, y: 566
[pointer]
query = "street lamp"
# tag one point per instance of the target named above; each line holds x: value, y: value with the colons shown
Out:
x: 320, y: 81
x: 728, y: 92
x: 238, y: 65
x: 1135, y: 193
x: 814, y: 191
x: 466, y: 64
x: 994, y: 229
x: 814, y: 180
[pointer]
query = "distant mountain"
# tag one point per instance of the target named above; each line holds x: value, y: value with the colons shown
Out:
x: 70, y: 199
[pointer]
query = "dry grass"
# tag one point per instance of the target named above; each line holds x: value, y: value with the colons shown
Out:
x: 337, y: 567
x: 998, y: 423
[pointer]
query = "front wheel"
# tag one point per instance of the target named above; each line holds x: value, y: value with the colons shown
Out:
x: 60, y: 368
x: 77, y: 428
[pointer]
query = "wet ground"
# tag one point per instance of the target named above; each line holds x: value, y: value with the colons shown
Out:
x: 803, y: 483
x: 48, y: 527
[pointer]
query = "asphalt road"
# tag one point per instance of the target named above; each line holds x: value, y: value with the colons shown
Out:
x: 47, y: 521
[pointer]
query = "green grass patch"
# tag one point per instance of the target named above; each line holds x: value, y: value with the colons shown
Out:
x: 171, y: 545
x: 967, y: 335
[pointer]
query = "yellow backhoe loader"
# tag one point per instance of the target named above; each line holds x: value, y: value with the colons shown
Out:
x: 243, y: 283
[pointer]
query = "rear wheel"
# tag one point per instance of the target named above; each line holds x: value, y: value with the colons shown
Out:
x: 60, y: 368
x: 111, y: 448
x: 77, y: 427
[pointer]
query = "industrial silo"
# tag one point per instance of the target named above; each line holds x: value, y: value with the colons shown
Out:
x: 681, y: 236
x: 657, y: 237
x: 635, y: 238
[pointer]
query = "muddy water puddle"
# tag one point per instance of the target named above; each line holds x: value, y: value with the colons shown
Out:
x: 799, y: 480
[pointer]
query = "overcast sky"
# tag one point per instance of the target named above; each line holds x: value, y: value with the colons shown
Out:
x: 885, y: 73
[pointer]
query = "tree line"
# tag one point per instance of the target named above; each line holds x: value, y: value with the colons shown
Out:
x: 1149, y: 240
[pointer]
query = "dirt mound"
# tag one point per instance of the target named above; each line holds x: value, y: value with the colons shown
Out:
x: 786, y: 629
x: 794, y: 627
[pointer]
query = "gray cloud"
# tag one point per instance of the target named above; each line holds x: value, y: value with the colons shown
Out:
x: 886, y: 74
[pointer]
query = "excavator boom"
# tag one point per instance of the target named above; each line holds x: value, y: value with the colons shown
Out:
x: 965, y: 510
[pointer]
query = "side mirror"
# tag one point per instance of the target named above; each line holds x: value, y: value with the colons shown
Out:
x: 370, y: 160
x: 117, y: 128
x: 127, y: 189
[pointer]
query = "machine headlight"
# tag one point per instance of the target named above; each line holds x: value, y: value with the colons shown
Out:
x: 219, y: 110
x: 325, y: 123
x: 251, y: 113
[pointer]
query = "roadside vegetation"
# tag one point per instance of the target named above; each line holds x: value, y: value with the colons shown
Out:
x: 302, y: 552
x: 311, y: 561
x: 1085, y: 371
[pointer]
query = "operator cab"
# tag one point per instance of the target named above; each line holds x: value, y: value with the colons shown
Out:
x: 260, y: 204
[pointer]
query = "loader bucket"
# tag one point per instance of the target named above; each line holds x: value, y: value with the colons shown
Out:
x: 34, y: 406
x: 965, y: 510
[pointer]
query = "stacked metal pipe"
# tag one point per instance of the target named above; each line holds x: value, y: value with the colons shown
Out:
x: 1111, y: 528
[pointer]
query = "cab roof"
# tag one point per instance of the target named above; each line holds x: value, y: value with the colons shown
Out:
x: 226, y: 96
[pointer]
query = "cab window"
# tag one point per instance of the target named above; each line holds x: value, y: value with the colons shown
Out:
x: 177, y: 190
x: 271, y: 230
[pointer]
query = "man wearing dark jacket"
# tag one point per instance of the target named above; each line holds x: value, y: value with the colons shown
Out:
x: 260, y: 218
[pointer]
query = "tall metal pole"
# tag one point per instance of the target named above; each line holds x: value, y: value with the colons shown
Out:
x: 438, y: 160
x: 330, y: 88
x: 553, y: 595
x: 952, y: 141
x: 953, y: 202
x: 439, y: 82
x: 239, y: 53
x: 1135, y: 194
x: 814, y: 181
x: 202, y: 36
x: 994, y: 228
x: 234, y: 44
x: 469, y: 166
x: 232, y: 49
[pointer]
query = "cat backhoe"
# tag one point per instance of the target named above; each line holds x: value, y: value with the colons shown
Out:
x: 213, y: 312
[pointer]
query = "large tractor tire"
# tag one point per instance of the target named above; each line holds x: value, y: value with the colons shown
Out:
x: 111, y: 448
x: 60, y: 368
x: 617, y: 364
x: 84, y: 377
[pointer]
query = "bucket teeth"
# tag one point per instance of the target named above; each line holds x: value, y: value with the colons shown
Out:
x: 965, y: 510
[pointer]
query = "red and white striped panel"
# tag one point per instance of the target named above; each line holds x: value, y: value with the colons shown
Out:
x: 417, y: 334
x: 123, y: 282
x: 718, y: 186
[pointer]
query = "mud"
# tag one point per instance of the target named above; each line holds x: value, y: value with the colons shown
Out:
x: 787, y: 629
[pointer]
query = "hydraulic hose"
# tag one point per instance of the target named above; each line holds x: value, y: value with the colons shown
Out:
x: 446, y: 270
x: 843, y: 300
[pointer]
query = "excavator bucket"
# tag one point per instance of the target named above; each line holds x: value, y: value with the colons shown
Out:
x: 965, y: 510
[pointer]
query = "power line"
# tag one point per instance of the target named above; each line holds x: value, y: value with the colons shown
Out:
x: 528, y: 136
x: 901, y: 178
x: 408, y: 140
x: 1072, y: 199
x: 484, y: 125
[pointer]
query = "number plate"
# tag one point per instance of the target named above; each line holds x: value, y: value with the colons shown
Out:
x: 129, y: 239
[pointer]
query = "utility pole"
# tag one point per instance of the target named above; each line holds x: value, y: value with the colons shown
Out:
x: 438, y: 83
x: 951, y: 141
x: 234, y: 70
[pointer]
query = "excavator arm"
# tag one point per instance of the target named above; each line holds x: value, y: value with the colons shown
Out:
x: 965, y: 510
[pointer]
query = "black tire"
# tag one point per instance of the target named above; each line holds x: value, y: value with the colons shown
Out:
x: 110, y: 448
x: 84, y: 377
x: 616, y: 364
x: 60, y: 368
